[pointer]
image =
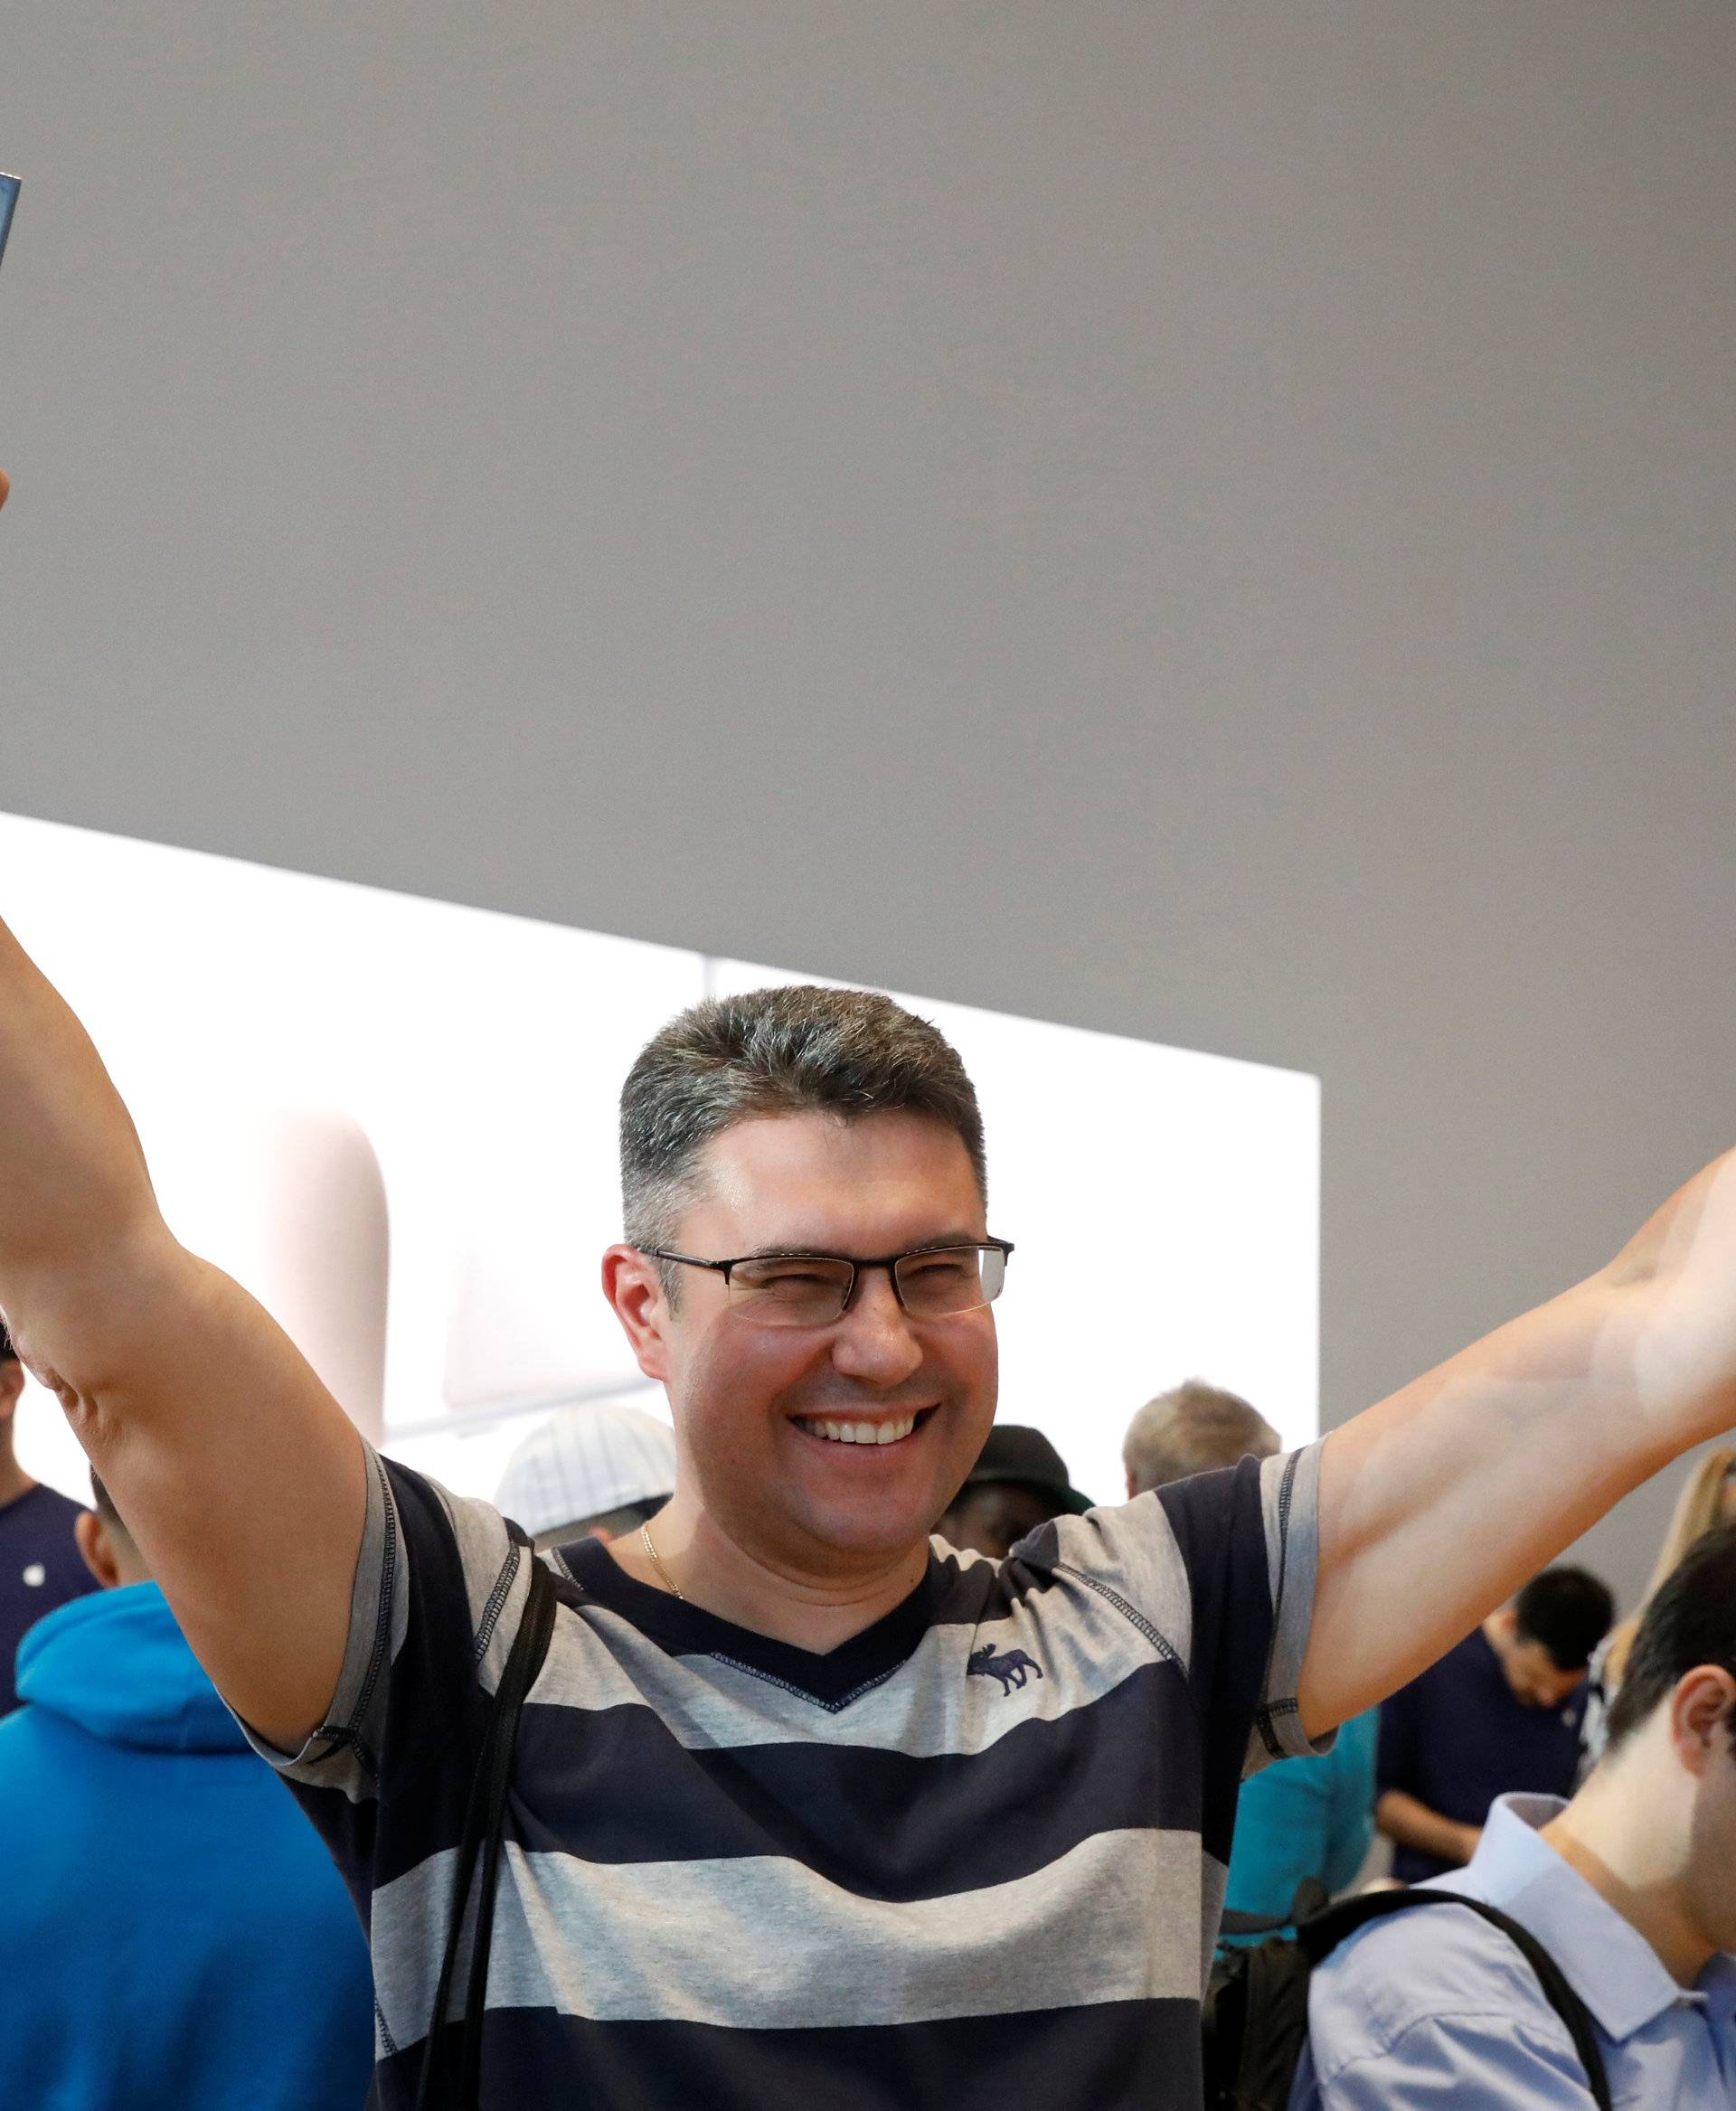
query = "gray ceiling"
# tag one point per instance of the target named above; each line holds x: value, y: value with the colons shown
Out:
x: 1207, y: 520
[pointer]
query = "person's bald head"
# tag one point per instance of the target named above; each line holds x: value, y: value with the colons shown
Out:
x: 1191, y: 1429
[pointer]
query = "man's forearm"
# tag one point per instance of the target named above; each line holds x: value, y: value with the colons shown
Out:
x: 1408, y: 1821
x: 1438, y: 1503
x: 77, y: 1205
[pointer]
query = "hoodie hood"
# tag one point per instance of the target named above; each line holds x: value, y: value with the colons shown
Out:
x: 117, y: 1664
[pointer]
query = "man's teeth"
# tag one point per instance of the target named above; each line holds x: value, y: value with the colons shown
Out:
x: 858, y: 1432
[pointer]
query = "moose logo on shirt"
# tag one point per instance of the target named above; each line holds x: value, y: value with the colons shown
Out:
x: 1011, y: 1670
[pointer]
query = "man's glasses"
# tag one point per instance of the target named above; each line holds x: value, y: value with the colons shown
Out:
x: 815, y: 1289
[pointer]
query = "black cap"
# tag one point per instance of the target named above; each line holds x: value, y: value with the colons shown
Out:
x: 1015, y: 1453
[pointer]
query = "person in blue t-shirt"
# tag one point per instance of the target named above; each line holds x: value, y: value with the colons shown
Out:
x: 171, y: 1931
x: 1313, y: 1818
x: 40, y: 1567
x: 1499, y: 1713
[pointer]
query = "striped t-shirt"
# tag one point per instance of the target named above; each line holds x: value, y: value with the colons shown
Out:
x: 974, y: 1855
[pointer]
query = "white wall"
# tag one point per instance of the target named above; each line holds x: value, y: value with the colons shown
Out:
x: 1207, y: 522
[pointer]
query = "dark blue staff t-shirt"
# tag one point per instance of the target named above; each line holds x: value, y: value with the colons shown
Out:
x: 39, y: 1567
x: 1458, y: 1736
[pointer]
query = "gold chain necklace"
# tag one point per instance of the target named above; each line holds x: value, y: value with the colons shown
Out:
x: 668, y: 1581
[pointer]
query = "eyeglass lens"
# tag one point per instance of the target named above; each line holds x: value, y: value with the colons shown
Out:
x: 810, y: 1289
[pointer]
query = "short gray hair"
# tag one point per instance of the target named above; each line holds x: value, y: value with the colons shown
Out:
x: 798, y: 1050
x: 1191, y: 1429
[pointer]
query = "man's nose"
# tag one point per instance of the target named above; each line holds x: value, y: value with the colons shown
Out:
x: 874, y: 1339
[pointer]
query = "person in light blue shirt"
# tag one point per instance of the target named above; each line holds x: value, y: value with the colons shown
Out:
x: 1308, y: 1818
x: 1631, y: 1887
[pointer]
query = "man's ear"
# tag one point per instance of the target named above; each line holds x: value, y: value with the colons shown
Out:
x: 1133, y: 1486
x: 97, y: 1547
x: 1699, y: 1713
x: 633, y: 1284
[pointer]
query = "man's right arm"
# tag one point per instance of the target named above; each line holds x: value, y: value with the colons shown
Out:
x: 238, y: 1475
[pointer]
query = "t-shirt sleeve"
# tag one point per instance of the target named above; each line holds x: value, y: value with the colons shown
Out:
x: 1221, y: 1569
x: 1248, y: 1539
x: 1218, y: 1571
x: 441, y: 1582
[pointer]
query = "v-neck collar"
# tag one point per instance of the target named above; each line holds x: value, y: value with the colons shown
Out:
x: 833, y: 1677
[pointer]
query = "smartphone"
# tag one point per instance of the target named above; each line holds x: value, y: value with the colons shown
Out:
x: 9, y: 199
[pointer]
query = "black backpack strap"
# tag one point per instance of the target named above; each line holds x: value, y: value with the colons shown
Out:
x: 1312, y: 1896
x: 1322, y: 1934
x: 484, y: 1823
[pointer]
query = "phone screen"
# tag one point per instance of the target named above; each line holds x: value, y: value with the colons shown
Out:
x: 9, y: 199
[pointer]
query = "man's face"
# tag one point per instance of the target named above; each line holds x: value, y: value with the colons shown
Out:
x: 1536, y: 1679
x: 749, y: 1398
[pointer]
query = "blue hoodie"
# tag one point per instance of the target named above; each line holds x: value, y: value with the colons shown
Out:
x: 171, y: 1931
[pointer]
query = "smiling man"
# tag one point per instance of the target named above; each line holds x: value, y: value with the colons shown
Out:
x: 804, y: 1801
x: 808, y: 1808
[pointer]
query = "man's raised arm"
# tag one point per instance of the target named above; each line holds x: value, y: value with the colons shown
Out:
x: 1438, y: 1503
x: 237, y: 1473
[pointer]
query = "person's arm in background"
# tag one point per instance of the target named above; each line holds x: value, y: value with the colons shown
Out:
x: 240, y: 1479
x: 1438, y: 1503
x: 1410, y: 1823
x: 1400, y: 1810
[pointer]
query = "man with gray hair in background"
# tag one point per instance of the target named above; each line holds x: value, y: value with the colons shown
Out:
x: 1191, y: 1429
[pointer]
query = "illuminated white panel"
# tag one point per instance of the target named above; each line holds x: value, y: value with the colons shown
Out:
x: 479, y: 1055
x: 394, y: 1121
